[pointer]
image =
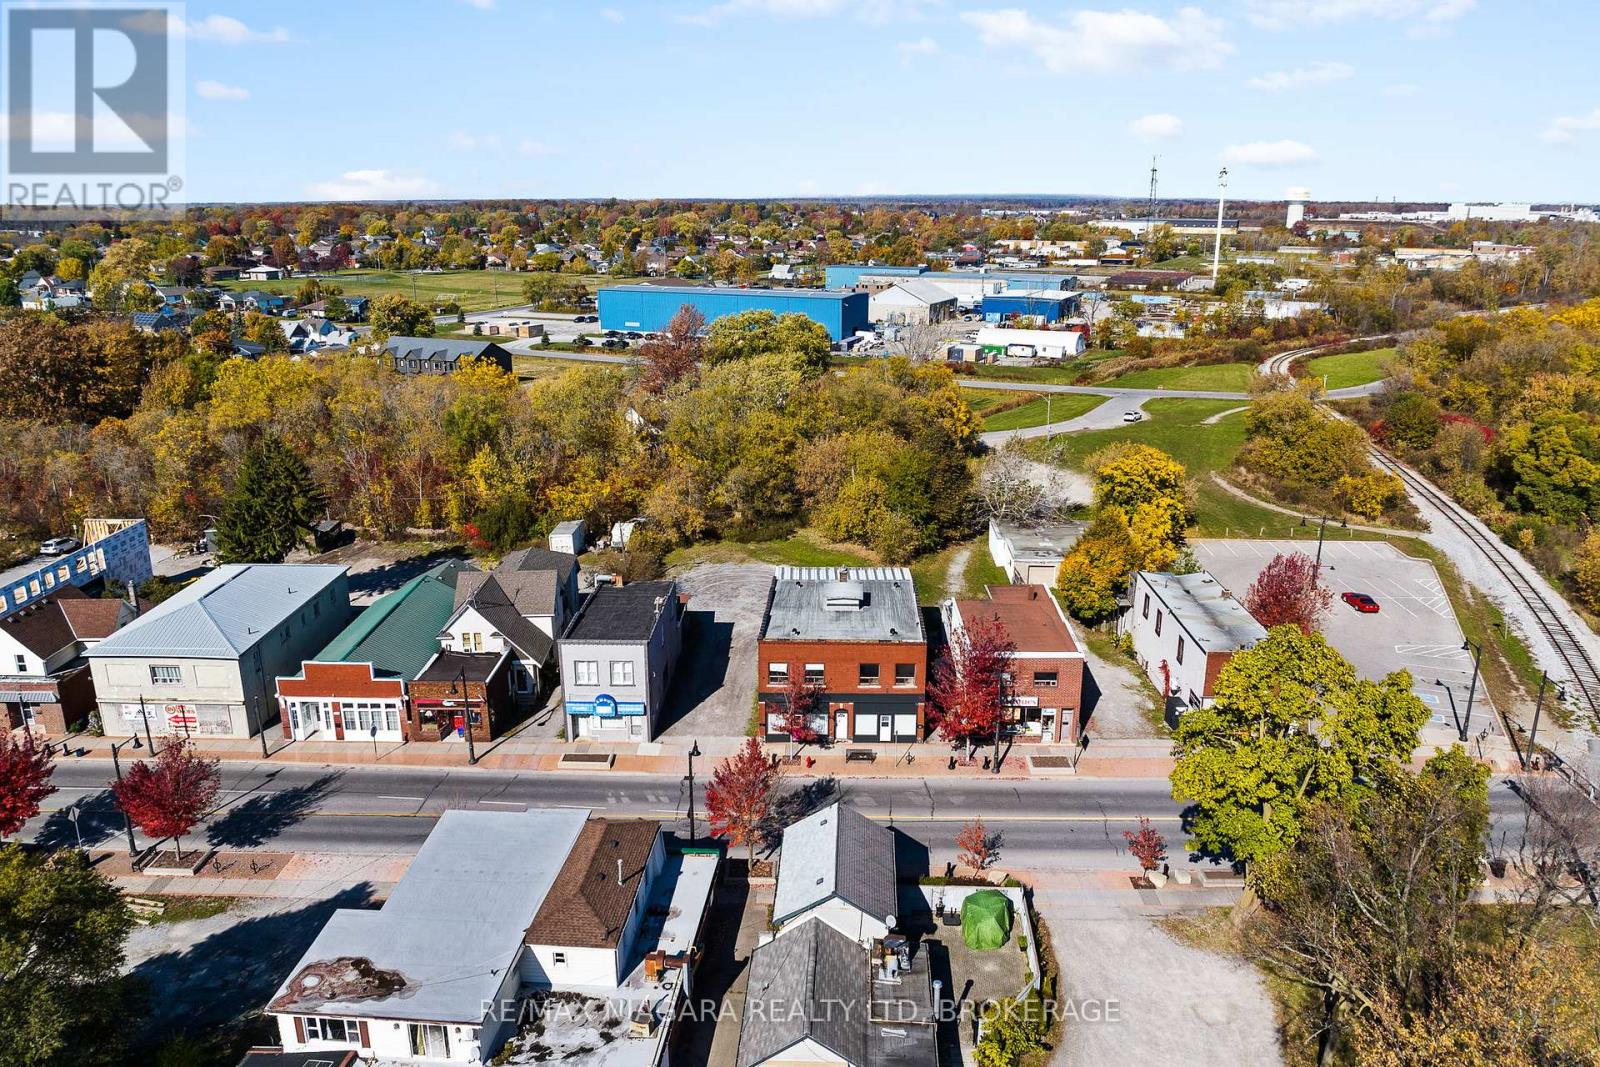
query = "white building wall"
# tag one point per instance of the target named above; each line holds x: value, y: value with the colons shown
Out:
x: 391, y: 1041
x: 591, y: 967
x: 844, y: 917
x: 1140, y: 622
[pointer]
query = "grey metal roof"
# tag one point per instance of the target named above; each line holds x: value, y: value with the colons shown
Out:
x: 836, y: 852
x: 810, y: 982
x: 1199, y: 603
x: 731, y: 291
x: 453, y: 924
x: 799, y: 608
x: 922, y: 289
x: 1042, y: 544
x: 225, y: 613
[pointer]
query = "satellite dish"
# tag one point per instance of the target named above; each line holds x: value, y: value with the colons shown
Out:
x: 889, y: 921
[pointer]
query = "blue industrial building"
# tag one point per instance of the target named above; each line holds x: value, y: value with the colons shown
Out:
x: 848, y: 275
x: 1025, y: 279
x: 648, y: 308
x: 1048, y: 305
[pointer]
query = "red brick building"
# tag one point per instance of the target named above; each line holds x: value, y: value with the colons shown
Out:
x: 855, y: 636
x: 1043, y: 698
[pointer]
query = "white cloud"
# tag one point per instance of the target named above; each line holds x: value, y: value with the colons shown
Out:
x: 1401, y: 89
x: 1284, y: 14
x: 612, y: 15
x: 878, y: 12
x: 373, y: 185
x: 210, y: 90
x: 57, y: 130
x: 1107, y: 41
x: 1270, y: 154
x: 481, y: 5
x: 1565, y: 128
x: 1157, y: 127
x: 922, y: 46
x: 462, y: 141
x: 223, y: 29
x: 1301, y: 77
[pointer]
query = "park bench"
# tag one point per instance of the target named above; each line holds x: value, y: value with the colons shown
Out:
x: 859, y: 755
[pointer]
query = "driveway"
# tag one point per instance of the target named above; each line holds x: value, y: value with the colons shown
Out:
x: 715, y: 688
x: 1138, y: 996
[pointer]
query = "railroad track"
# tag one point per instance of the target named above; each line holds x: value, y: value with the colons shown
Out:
x: 1280, y: 363
x: 1583, y: 676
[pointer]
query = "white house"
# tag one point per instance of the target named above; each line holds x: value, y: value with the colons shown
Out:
x: 1184, y: 629
x: 585, y: 921
x: 1031, y: 555
x: 520, y: 608
x: 837, y: 866
x: 263, y: 273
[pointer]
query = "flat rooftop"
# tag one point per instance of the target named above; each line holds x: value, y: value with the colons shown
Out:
x: 1218, y: 622
x: 1041, y: 544
x: 702, y: 290
x: 843, y: 604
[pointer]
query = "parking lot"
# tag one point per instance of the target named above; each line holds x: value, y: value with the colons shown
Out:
x: 715, y: 689
x: 1414, y: 629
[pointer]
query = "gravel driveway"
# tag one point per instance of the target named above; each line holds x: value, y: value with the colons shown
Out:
x: 715, y: 689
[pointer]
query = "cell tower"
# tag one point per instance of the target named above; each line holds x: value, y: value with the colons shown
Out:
x: 1150, y: 213
x: 1216, y: 249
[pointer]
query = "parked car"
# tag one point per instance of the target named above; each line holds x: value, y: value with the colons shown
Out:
x: 1131, y: 416
x: 58, y: 546
x: 1361, y: 602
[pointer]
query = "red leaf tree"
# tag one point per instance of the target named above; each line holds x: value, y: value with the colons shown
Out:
x: 740, y: 794
x: 1287, y: 592
x: 675, y: 355
x: 800, y: 704
x: 25, y: 770
x: 1146, y: 845
x: 968, y: 679
x: 167, y: 796
x: 976, y: 847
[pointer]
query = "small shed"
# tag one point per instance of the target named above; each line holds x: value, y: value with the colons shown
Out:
x: 569, y: 537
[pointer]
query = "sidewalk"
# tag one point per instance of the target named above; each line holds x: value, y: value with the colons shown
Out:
x: 1107, y: 758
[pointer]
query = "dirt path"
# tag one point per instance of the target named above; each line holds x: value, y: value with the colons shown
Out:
x: 955, y: 575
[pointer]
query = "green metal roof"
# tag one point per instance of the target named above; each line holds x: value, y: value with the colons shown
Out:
x: 399, y: 632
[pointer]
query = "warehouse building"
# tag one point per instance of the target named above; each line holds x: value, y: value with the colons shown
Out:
x: 849, y: 275
x: 997, y: 342
x: 912, y: 302
x: 648, y: 308
x: 1043, y: 305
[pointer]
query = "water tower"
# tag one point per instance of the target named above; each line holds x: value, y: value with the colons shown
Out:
x: 1298, y: 195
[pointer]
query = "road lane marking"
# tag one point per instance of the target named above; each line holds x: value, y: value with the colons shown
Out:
x: 386, y: 796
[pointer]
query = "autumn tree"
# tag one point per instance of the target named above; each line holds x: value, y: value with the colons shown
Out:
x: 394, y: 315
x: 1146, y: 844
x: 1287, y: 592
x: 25, y: 770
x: 759, y: 333
x: 976, y: 847
x: 740, y: 794
x: 1292, y: 725
x: 967, y: 682
x: 676, y: 354
x: 168, y: 796
x: 1095, y: 571
x: 273, y: 505
x: 800, y: 700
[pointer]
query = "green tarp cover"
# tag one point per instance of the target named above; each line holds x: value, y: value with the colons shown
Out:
x: 985, y: 920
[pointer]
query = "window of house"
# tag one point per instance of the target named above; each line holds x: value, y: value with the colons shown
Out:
x: 777, y: 674
x: 1180, y: 650
x: 814, y: 674
x: 1045, y: 679
x: 472, y: 642
x: 905, y: 674
x: 22, y: 664
x: 558, y: 958
x: 622, y: 672
x: 164, y: 674
x: 586, y: 672
x: 1158, y: 623
x: 1146, y: 605
x: 868, y: 676
x: 318, y: 1029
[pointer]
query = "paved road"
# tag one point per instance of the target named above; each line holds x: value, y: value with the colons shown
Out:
x: 1103, y: 417
x: 1070, y: 824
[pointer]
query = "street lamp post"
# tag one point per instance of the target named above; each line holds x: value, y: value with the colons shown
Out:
x: 693, y: 752
x: 116, y: 765
x: 1472, y: 689
x: 1538, y: 705
x: 466, y: 713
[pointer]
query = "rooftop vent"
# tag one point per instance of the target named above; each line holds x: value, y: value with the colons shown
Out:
x: 844, y: 596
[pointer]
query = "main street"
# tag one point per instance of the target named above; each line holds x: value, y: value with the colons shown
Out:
x: 1067, y: 824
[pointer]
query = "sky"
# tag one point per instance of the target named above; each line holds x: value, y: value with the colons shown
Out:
x: 1431, y: 100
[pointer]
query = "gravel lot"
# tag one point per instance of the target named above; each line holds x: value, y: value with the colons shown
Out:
x: 716, y: 684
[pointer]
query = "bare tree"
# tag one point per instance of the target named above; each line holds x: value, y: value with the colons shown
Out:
x: 1013, y: 492
x: 1558, y: 858
x: 919, y: 342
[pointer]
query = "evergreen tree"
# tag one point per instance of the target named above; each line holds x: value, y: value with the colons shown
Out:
x: 272, y: 506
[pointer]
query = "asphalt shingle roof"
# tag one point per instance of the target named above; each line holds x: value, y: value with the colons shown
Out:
x: 810, y: 982
x: 622, y: 613
x: 836, y: 852
x: 434, y: 349
x: 588, y: 906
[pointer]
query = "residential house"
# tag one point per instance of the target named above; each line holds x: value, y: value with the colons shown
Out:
x: 48, y: 294
x: 255, y: 300
x: 501, y: 637
x: 854, y: 636
x: 587, y: 921
x: 356, y: 688
x: 261, y: 272
x: 1184, y: 629
x: 837, y: 866
x: 44, y: 680
x: 167, y: 320
x: 1032, y: 555
x: 1042, y: 693
x: 204, y: 661
x: 433, y: 355
x: 618, y: 655
x: 357, y: 304
x: 315, y: 334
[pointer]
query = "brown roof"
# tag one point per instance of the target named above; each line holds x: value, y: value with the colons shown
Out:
x: 92, y: 618
x: 587, y: 906
x: 41, y: 626
x: 1029, y: 615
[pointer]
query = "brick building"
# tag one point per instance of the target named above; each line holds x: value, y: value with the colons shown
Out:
x: 855, y: 635
x: 460, y: 687
x: 44, y: 679
x: 1043, y: 698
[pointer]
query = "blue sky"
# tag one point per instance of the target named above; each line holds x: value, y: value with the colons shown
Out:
x: 1353, y: 99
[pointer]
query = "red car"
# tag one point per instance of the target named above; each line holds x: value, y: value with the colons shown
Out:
x: 1361, y: 602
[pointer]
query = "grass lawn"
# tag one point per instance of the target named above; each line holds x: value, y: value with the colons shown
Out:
x: 981, y: 400
x: 1349, y: 368
x: 183, y: 908
x: 805, y: 548
x: 1059, y: 407
x: 474, y: 290
x: 929, y: 572
x: 1230, y: 377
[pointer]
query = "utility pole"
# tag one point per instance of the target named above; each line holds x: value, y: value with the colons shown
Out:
x: 1216, y: 249
x: 1538, y: 705
x: 693, y: 752
x: 1320, y: 529
x: 466, y: 714
x: 1047, y: 417
x: 1472, y: 690
x: 116, y: 765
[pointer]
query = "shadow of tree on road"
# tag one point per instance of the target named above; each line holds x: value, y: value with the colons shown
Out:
x: 257, y: 819
x: 99, y: 820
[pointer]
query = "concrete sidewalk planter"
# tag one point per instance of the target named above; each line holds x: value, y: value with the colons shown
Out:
x: 157, y: 862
